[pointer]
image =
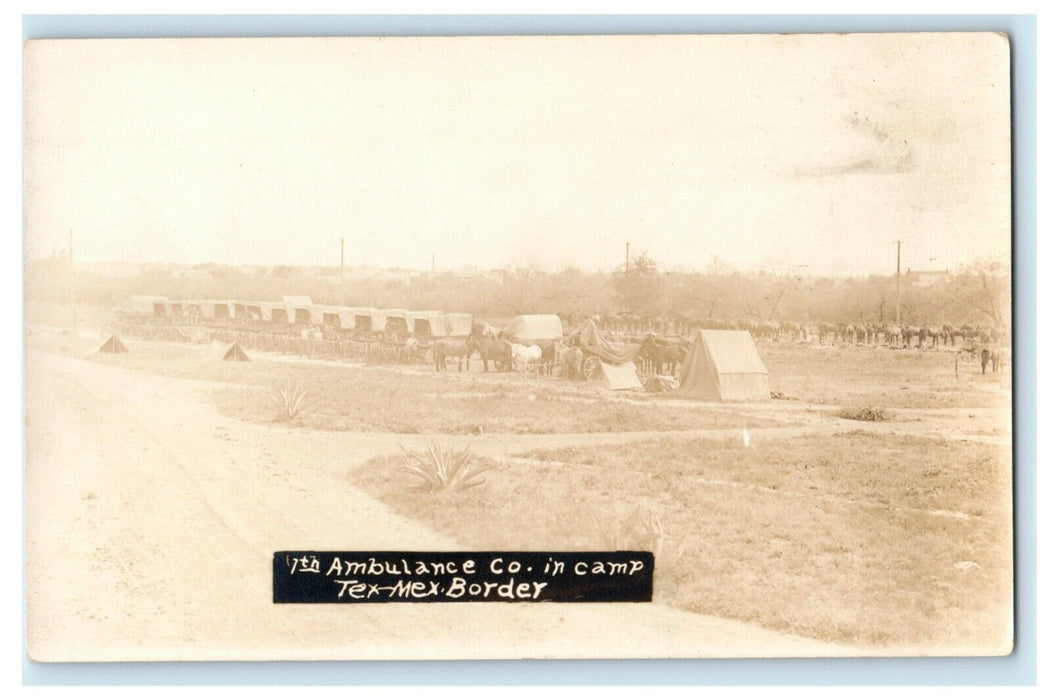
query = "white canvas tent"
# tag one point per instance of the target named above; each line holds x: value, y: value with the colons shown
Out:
x: 619, y: 377
x: 724, y: 366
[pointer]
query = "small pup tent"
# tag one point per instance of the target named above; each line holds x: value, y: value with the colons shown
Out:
x: 724, y: 366
x: 236, y: 354
x: 619, y: 377
x: 112, y: 346
x: 534, y: 328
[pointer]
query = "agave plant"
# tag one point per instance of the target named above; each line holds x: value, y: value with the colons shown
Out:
x: 290, y: 401
x: 444, y: 470
x: 643, y: 531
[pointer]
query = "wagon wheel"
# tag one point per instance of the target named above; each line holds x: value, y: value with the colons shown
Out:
x: 590, y: 368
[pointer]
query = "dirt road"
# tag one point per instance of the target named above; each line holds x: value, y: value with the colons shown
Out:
x: 152, y: 520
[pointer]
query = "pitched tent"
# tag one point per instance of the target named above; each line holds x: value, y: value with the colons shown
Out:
x: 535, y: 328
x: 724, y: 366
x: 112, y: 345
x: 236, y: 354
x: 618, y: 377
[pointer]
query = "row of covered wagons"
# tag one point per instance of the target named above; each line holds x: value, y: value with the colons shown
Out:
x: 282, y: 314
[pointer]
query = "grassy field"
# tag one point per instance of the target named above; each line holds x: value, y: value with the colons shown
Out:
x: 881, y: 377
x: 842, y: 538
x: 857, y: 537
x: 377, y: 399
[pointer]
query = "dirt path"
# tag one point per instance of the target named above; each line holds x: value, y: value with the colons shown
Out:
x: 152, y: 521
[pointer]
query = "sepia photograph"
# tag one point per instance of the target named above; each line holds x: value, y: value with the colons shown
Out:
x: 518, y: 347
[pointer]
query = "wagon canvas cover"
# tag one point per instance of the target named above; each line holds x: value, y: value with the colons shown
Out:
x: 535, y: 328
x: 593, y: 342
x: 458, y: 325
x: 724, y: 366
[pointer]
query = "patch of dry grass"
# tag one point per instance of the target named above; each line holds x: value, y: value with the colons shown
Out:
x: 873, y: 414
x: 805, y: 535
x: 377, y: 399
x: 881, y: 377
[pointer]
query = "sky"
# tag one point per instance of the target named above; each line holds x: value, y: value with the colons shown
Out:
x: 805, y: 153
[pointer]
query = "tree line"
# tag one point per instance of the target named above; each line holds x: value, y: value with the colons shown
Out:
x: 978, y: 294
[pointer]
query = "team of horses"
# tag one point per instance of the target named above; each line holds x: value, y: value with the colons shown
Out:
x: 653, y: 354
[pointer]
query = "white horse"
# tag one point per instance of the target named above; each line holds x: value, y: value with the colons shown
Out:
x: 524, y: 355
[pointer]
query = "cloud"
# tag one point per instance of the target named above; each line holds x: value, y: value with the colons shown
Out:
x: 864, y: 148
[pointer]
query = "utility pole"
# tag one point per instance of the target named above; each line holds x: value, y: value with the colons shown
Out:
x: 341, y: 272
x: 627, y: 257
x: 897, y: 313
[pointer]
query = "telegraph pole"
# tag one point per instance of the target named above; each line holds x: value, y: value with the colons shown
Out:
x: 341, y: 272
x: 897, y: 313
x: 627, y: 257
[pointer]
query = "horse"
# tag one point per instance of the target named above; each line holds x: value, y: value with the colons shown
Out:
x: 661, y: 354
x: 524, y: 355
x: 993, y: 356
x: 499, y: 351
x: 444, y: 349
x: 548, y: 355
x: 572, y: 359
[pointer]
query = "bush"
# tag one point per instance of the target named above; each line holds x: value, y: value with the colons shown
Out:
x: 444, y: 470
x: 866, y: 413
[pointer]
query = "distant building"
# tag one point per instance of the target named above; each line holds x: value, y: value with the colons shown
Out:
x: 927, y: 278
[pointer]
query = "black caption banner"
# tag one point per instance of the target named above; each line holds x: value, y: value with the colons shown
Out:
x: 463, y: 577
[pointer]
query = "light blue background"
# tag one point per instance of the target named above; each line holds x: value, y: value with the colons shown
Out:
x: 1017, y: 669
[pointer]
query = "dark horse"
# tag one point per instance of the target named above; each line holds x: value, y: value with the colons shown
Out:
x: 446, y: 348
x: 499, y: 351
x: 661, y: 355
